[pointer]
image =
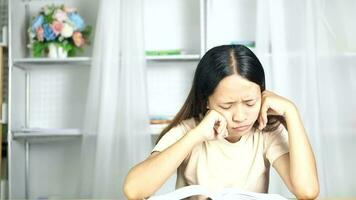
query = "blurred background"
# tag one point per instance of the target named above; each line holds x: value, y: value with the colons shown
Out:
x: 73, y: 125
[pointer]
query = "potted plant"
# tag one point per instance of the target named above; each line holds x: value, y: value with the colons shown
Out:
x: 58, y: 32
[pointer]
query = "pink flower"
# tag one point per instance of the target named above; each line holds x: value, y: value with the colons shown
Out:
x: 39, y: 33
x: 78, y: 39
x: 60, y: 15
x: 57, y: 27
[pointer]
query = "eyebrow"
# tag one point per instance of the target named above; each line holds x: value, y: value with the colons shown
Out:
x: 245, y: 100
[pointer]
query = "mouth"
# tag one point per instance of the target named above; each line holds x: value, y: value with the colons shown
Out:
x: 241, y: 128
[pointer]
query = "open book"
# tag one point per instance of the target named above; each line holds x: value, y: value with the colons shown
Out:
x: 225, y: 194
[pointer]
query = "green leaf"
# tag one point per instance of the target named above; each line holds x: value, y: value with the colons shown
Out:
x: 72, y: 52
x: 67, y: 46
x: 37, y: 48
x: 49, y: 18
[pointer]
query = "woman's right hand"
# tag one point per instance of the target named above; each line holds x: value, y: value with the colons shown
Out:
x: 213, y: 126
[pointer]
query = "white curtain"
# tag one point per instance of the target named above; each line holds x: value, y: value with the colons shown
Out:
x: 313, y: 63
x: 116, y: 126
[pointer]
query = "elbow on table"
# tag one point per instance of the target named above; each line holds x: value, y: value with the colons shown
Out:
x: 130, y: 191
x: 307, y: 193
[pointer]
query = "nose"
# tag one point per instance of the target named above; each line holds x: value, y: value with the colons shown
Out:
x: 239, y: 114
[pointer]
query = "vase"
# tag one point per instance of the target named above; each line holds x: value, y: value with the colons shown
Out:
x: 61, y: 52
x: 52, y: 51
x: 56, y: 51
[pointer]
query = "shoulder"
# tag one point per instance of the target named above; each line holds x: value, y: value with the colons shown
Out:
x: 174, y: 134
x: 279, y: 135
x: 188, y: 124
x: 181, y: 128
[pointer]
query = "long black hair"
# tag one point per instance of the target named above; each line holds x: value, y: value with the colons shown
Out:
x: 218, y: 63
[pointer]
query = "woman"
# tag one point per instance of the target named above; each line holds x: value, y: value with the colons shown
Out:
x: 228, y: 133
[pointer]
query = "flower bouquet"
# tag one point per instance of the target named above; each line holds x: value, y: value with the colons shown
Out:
x: 58, y: 31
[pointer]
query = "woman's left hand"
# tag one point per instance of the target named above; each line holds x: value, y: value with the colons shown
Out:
x: 272, y: 104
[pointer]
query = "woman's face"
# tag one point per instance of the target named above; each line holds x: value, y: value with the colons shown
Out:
x: 239, y: 101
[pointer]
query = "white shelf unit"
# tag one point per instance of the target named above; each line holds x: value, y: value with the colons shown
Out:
x: 46, y: 108
x: 50, y: 95
x: 192, y: 26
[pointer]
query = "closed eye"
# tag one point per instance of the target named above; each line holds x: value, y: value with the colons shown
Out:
x: 250, y: 103
x: 225, y: 107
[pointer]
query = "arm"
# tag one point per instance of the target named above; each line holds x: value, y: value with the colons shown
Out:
x: 298, y: 168
x: 148, y: 176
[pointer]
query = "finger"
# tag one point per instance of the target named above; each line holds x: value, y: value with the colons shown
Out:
x: 224, y: 132
x: 260, y: 122
x: 221, y: 128
x: 260, y: 119
x: 263, y: 114
x: 219, y: 136
x: 216, y: 133
x: 265, y: 119
x: 216, y: 128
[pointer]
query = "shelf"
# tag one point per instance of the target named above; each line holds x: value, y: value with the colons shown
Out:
x: 34, y: 133
x: 173, y: 57
x: 31, y: 62
x: 37, y: 133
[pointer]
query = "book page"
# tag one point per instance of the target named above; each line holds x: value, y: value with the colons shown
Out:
x: 225, y: 194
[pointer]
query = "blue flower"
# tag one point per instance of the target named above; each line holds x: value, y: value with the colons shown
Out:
x: 37, y: 22
x: 77, y: 21
x: 48, y: 33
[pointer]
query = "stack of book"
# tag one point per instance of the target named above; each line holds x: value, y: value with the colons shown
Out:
x: 163, y: 52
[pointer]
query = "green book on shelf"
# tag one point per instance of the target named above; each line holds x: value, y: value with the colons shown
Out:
x: 163, y: 52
